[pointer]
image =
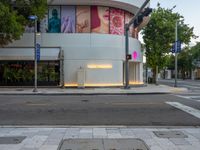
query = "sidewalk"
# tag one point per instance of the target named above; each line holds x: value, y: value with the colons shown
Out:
x: 149, y: 89
x: 50, y: 138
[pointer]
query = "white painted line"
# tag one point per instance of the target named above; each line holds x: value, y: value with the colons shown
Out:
x: 186, y: 97
x: 190, y: 86
x: 190, y: 110
x: 189, y: 97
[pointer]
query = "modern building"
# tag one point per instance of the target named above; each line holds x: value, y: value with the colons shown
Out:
x: 80, y: 40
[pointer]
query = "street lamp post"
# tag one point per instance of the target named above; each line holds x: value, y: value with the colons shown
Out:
x: 176, y: 54
x: 35, y: 51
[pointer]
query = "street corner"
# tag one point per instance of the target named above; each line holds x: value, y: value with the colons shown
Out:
x: 178, y: 90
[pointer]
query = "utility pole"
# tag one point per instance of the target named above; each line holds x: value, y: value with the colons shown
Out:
x: 126, y: 61
x: 127, y: 43
x: 176, y: 53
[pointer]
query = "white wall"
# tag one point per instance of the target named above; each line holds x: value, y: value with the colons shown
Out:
x: 137, y: 3
x: 129, y: 5
x: 81, y: 50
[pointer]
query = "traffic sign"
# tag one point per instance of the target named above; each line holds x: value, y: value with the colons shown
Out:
x: 38, y: 52
x: 178, y: 46
x: 32, y: 17
x: 128, y: 57
x: 178, y: 49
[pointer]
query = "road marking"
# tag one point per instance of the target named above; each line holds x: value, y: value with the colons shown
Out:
x: 186, y: 97
x: 190, y: 110
x: 190, y: 86
x: 131, y: 103
x: 37, y: 104
x: 194, y: 98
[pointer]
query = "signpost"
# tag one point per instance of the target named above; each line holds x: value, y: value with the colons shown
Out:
x: 38, y: 51
x: 176, y: 54
x: 176, y: 48
x: 34, y: 18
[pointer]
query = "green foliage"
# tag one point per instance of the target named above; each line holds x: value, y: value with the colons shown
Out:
x: 170, y: 62
x: 11, y: 28
x: 159, y: 35
x: 14, y: 17
x: 185, y: 61
x: 195, y: 50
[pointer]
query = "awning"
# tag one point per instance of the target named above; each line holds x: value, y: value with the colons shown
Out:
x: 28, y: 53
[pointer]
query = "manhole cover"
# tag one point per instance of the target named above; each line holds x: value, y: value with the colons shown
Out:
x: 103, y: 144
x: 170, y: 134
x: 12, y: 140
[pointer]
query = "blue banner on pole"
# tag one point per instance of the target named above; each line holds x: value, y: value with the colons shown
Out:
x: 38, y: 52
x: 178, y: 46
x: 178, y: 49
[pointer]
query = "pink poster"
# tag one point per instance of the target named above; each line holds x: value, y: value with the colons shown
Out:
x: 100, y: 19
x: 128, y: 17
x: 116, y: 21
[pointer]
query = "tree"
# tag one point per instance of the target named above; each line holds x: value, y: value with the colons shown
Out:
x: 195, y: 50
x: 159, y: 35
x: 14, y: 17
x: 185, y: 62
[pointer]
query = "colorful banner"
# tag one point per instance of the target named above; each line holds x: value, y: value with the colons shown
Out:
x: 68, y: 19
x: 54, y: 19
x: 116, y: 21
x: 83, y: 19
x: 128, y: 17
x: 100, y: 19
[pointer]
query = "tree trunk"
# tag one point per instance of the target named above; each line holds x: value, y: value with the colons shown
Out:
x: 164, y: 76
x: 155, y: 75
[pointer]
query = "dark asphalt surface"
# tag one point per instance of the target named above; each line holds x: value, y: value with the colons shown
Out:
x: 146, y: 110
x: 191, y: 85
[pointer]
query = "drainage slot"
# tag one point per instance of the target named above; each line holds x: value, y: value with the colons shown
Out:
x: 12, y: 140
x: 85, y: 100
x: 170, y: 134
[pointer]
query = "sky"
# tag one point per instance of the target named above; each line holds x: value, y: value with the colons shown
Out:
x: 189, y: 9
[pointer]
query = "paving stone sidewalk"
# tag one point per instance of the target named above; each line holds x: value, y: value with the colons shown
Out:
x: 50, y: 138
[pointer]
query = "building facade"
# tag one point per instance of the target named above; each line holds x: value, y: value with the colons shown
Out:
x: 86, y: 35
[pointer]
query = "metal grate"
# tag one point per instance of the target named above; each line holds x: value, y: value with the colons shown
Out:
x: 103, y: 144
x: 12, y: 139
x: 170, y: 134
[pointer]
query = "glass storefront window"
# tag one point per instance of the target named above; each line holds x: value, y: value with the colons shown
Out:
x: 21, y: 73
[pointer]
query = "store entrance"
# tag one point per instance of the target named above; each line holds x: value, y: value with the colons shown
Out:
x: 21, y: 73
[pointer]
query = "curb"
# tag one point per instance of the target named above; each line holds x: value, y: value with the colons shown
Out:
x: 74, y: 94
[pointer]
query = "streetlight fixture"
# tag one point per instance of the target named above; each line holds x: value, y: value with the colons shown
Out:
x: 34, y: 18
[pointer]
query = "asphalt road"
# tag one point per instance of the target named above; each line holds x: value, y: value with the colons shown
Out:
x: 146, y: 110
x: 192, y: 85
